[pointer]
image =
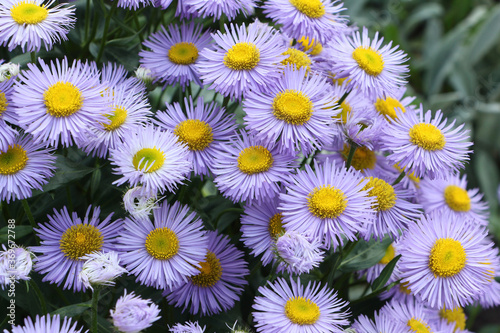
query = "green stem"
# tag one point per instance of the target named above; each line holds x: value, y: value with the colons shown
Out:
x: 342, y: 99
x: 95, y: 301
x: 105, y: 32
x: 136, y: 21
x: 38, y: 293
x: 353, y: 148
x: 33, y: 57
x: 400, y: 178
x: 225, y: 102
x: 68, y: 195
x: 28, y: 212
x: 87, y: 20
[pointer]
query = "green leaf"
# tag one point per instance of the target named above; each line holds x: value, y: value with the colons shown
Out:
x: 487, y: 174
x: 66, y: 172
x: 422, y: 13
x: 19, y: 231
x: 365, y: 255
x: 73, y: 310
x: 486, y: 38
x: 385, y: 274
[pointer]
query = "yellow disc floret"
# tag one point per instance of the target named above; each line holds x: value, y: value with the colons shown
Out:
x: 447, y: 257
x: 314, y: 47
x: 242, y: 56
x: 389, y: 255
x: 183, y: 53
x: 162, y: 243
x: 79, y: 240
x: 457, y: 198
x: 255, y: 159
x: 311, y: 8
x: 418, y: 326
x: 62, y: 99
x: 297, y: 59
x: 28, y: 12
x: 387, y: 107
x: 302, y: 311
x: 293, y: 107
x: 276, y: 225
x: 117, y: 118
x: 195, y: 133
x: 13, y: 160
x: 369, y: 60
x: 149, y: 159
x: 427, y: 136
x: 455, y: 316
x: 363, y: 158
x: 326, y: 202
x: 383, y: 192
x: 210, y: 271
x: 405, y: 288
x: 3, y: 103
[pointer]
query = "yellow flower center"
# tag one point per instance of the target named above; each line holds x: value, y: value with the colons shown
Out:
x: 276, y: 225
x: 79, y: 240
x: 455, y: 316
x: 447, y: 257
x: 311, y: 8
x: 369, y: 60
x: 27, y: 12
x: 345, y: 111
x: 387, y: 107
x: 117, y: 118
x: 195, y: 133
x: 210, y: 271
x: 389, y: 255
x: 183, y: 53
x: 457, y: 198
x: 298, y: 58
x: 312, y: 46
x: 162, y: 243
x: 427, y: 136
x: 242, y: 56
x: 149, y: 159
x: 255, y: 159
x: 292, y: 107
x: 3, y: 103
x: 302, y: 311
x: 326, y: 202
x: 13, y: 160
x: 363, y: 158
x: 405, y: 288
x: 62, y: 99
x: 418, y: 326
x: 383, y: 193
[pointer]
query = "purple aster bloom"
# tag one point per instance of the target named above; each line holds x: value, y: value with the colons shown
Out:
x: 455, y: 317
x: 446, y: 261
x: 450, y: 194
x: 7, y: 133
x: 66, y: 238
x: 426, y: 145
x: 187, y: 327
x: 200, y: 127
x: 318, y: 19
x: 218, y: 284
x: 165, y: 252
x: 261, y: 224
x: 298, y: 253
x: 46, y: 324
x: 295, y: 110
x: 411, y: 314
x: 248, y: 169
x: 217, y: 8
x: 174, y: 53
x: 329, y: 203
x: 134, y: 4
x: 133, y: 314
x: 379, y: 324
x: 59, y: 103
x: 24, y: 165
x: 130, y: 111
x: 29, y: 23
x: 242, y: 59
x: 369, y: 66
x: 114, y: 75
x: 151, y: 158
x: 291, y: 307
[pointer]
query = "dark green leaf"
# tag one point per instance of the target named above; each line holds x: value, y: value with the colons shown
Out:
x: 19, y: 231
x: 66, y: 172
x: 72, y: 310
x: 487, y: 37
x: 385, y: 274
x: 365, y: 255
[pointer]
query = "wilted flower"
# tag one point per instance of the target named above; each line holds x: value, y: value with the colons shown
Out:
x: 8, y: 70
x: 132, y: 314
x: 101, y: 268
x: 15, y: 265
x: 144, y: 74
x: 137, y: 204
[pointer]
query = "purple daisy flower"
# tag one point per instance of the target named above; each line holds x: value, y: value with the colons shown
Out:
x: 134, y: 4
x: 368, y: 66
x: 261, y: 224
x: 133, y: 314
x: 165, y: 252
x: 298, y: 253
x: 174, y: 53
x: 285, y: 307
x: 24, y: 165
x: 200, y: 127
x: 328, y: 202
x: 451, y: 194
x: 317, y: 19
x: 455, y: 317
x: 242, y: 59
x: 219, y: 282
x: 426, y: 145
x: 7, y: 133
x: 187, y: 327
x: 296, y: 111
x: 151, y: 158
x: 379, y: 324
x: 114, y: 75
x: 66, y: 238
x: 59, y: 103
x: 248, y: 169
x: 446, y: 261
x: 46, y: 324
x: 217, y: 8
x: 29, y: 23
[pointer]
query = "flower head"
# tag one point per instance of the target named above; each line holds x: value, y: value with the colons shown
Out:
x: 100, y: 268
x: 187, y: 327
x: 8, y: 70
x: 46, y: 324
x: 15, y: 265
x: 216, y: 8
x: 133, y: 314
x: 298, y: 253
x: 139, y: 204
